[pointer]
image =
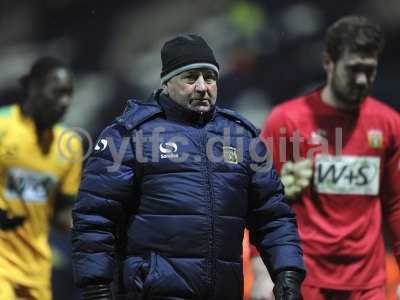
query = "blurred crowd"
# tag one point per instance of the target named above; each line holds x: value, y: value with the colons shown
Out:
x: 269, y: 51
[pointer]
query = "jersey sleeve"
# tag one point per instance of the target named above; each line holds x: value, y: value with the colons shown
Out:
x: 275, y: 134
x: 390, y: 190
x: 74, y: 154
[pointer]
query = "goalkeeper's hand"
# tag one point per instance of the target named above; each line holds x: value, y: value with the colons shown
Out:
x: 296, y: 176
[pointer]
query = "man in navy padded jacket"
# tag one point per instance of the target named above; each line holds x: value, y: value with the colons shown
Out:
x: 169, y: 189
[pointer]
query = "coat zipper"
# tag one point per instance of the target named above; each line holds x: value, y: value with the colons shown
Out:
x: 211, y: 266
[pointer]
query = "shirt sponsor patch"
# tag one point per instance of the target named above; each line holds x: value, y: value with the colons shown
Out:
x: 347, y: 174
x: 29, y: 186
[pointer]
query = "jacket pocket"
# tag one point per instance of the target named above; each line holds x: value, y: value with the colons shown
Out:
x: 164, y: 281
x: 135, y: 271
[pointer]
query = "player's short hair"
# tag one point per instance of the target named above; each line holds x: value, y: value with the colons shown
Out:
x: 355, y: 33
x: 40, y: 68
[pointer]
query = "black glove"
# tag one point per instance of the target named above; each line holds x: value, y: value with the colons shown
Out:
x: 10, y: 223
x: 97, y: 292
x: 287, y: 285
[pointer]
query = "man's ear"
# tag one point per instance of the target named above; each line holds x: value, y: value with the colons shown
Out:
x: 164, y: 88
x: 327, y: 62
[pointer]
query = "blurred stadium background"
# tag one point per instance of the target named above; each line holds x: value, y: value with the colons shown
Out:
x: 268, y: 51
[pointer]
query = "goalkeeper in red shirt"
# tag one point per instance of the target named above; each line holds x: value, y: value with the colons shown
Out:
x: 337, y: 150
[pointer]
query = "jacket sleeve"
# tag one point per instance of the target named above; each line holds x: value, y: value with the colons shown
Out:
x: 271, y: 221
x: 105, y: 189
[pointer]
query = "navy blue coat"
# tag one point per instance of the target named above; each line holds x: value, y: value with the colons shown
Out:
x: 170, y: 208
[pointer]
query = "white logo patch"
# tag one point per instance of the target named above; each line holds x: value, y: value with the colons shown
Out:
x: 101, y: 145
x: 29, y: 185
x: 168, y: 150
x: 347, y: 174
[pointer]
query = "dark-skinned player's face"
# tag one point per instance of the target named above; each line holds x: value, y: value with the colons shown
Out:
x: 52, y: 96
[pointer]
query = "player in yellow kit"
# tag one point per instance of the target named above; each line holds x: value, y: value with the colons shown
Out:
x: 40, y: 167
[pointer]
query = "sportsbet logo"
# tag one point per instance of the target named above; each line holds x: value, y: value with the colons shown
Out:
x: 347, y: 174
x: 168, y: 150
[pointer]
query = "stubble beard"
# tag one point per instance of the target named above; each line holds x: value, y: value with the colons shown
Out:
x: 343, y: 94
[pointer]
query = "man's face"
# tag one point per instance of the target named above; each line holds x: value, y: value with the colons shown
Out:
x: 194, y: 89
x: 52, y: 96
x: 351, y: 77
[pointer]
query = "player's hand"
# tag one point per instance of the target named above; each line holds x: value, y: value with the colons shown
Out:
x: 398, y: 292
x: 296, y: 176
x: 287, y: 285
x: 262, y: 290
x: 262, y: 283
x: 97, y: 292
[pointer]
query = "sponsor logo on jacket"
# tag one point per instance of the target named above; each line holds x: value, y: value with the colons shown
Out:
x: 168, y: 150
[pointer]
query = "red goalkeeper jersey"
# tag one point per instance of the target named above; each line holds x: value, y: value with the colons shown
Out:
x: 356, y: 181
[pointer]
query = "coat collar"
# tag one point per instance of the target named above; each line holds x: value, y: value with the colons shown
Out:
x: 174, y: 111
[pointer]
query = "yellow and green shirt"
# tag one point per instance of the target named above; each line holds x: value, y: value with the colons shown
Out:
x: 29, y: 180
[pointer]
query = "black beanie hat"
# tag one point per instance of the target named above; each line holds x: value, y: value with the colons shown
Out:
x: 186, y: 52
